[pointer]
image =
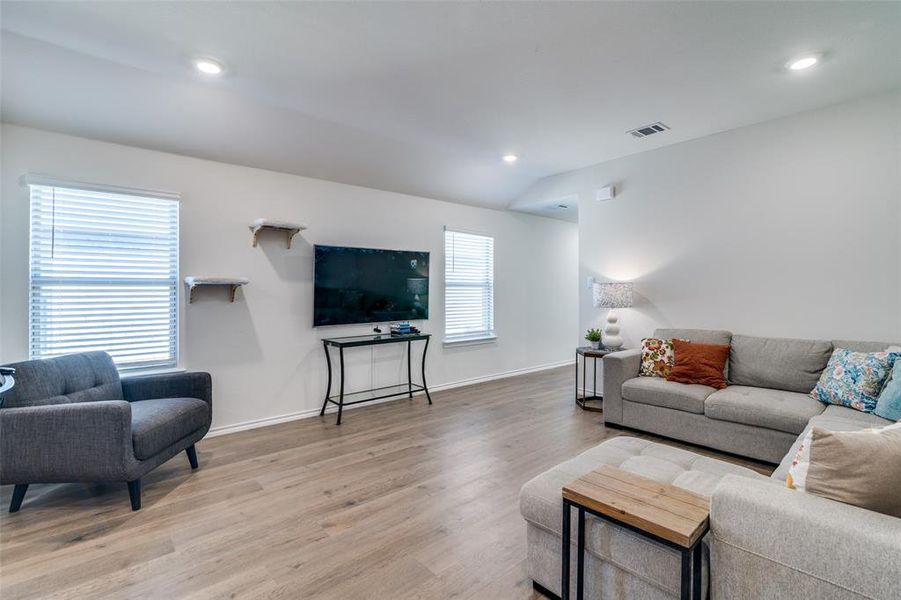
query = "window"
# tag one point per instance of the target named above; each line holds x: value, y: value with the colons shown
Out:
x: 468, y: 286
x: 104, y: 275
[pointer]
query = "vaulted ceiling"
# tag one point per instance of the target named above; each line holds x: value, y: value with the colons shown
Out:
x: 424, y: 98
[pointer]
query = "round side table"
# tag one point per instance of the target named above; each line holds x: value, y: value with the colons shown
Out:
x: 594, y: 401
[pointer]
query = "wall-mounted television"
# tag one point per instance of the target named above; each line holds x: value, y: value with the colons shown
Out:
x: 368, y: 285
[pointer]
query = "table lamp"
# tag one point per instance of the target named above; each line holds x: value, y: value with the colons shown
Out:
x: 612, y: 296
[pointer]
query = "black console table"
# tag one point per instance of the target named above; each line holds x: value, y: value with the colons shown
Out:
x: 373, y: 340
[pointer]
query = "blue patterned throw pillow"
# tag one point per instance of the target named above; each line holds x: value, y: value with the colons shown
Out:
x: 889, y: 404
x: 854, y: 379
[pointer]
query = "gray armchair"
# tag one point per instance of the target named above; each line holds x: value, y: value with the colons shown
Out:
x: 71, y: 419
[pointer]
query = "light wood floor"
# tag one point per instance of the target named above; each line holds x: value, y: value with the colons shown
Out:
x: 402, y: 501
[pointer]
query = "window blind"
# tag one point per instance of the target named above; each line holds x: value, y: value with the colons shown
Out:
x: 104, y: 275
x: 468, y: 286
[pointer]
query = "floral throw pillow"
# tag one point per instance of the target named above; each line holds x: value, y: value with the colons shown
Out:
x: 854, y: 379
x: 657, y: 357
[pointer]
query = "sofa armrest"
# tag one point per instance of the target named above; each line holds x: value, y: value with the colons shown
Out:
x: 169, y: 385
x: 82, y: 441
x: 770, y: 541
x: 618, y: 368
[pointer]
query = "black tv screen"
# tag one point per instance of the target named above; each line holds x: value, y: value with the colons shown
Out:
x: 367, y: 285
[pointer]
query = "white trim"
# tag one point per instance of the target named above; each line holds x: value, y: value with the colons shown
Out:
x: 47, y: 180
x: 503, y: 375
x: 483, y: 233
x: 470, y: 341
x: 314, y: 412
x: 126, y: 373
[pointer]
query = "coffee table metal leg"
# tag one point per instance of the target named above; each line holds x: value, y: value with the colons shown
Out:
x: 686, y: 575
x: 696, y: 570
x: 564, y: 580
x: 580, y: 557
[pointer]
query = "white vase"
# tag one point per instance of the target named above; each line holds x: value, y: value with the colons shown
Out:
x: 612, y: 340
x: 594, y: 345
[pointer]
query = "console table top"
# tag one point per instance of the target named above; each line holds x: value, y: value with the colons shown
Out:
x: 373, y: 339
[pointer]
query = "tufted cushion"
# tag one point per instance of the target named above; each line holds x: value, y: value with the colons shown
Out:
x: 760, y: 407
x: 86, y: 377
x: 157, y: 424
x: 656, y: 391
x: 541, y: 500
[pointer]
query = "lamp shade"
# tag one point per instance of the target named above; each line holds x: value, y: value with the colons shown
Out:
x: 612, y: 295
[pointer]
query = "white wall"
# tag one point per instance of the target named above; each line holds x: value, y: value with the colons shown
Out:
x: 264, y: 354
x: 786, y: 228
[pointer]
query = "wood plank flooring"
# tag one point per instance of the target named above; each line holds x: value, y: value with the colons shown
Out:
x: 402, y: 501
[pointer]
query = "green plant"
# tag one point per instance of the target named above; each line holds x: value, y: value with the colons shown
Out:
x: 593, y: 335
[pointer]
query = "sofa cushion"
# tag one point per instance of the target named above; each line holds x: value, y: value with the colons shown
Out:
x: 834, y: 418
x: 157, y: 424
x: 668, y: 394
x: 835, y: 413
x: 854, y: 379
x: 541, y: 501
x: 699, y: 363
x: 778, y: 363
x: 828, y: 464
x: 85, y: 377
x: 888, y: 405
x: 761, y: 407
x: 657, y: 357
x: 856, y: 346
x: 703, y: 336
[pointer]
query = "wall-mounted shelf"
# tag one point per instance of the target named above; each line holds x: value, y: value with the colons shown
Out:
x: 289, y: 229
x: 233, y: 283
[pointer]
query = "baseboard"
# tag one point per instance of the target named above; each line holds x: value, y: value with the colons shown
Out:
x: 314, y: 412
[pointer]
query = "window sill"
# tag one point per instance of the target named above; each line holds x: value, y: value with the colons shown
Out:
x: 470, y: 341
x: 150, y: 371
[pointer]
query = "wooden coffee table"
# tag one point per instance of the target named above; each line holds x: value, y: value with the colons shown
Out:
x: 668, y: 515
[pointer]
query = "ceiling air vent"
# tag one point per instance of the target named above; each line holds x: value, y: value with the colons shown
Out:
x: 647, y: 130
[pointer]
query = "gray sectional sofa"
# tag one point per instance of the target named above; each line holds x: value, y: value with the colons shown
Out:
x: 766, y: 541
x: 760, y: 413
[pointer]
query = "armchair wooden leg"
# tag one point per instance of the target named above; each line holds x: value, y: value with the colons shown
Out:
x: 134, y: 492
x: 18, y: 495
x: 191, y: 451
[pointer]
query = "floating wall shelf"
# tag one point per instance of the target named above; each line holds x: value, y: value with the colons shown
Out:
x: 289, y: 229
x: 233, y: 283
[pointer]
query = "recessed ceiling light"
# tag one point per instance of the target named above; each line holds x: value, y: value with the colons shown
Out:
x: 208, y: 66
x: 510, y: 158
x: 804, y: 62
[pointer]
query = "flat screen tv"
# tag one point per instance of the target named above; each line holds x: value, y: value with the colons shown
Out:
x: 367, y: 285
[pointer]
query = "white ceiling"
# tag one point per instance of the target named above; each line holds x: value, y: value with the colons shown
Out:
x: 424, y: 98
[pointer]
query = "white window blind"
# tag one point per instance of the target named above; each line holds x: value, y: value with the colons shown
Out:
x: 104, y: 275
x: 468, y: 286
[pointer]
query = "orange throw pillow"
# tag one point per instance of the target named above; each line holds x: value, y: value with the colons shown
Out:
x: 699, y: 363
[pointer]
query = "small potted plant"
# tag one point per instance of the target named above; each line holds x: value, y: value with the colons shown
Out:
x: 594, y: 338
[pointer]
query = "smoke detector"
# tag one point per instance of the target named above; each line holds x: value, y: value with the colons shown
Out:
x: 647, y: 130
